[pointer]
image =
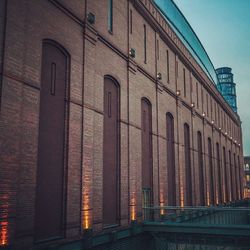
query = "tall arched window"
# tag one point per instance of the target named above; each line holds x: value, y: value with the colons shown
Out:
x: 171, y: 161
x: 240, y: 180
x: 247, y: 167
x: 211, y: 172
x: 111, y: 152
x: 231, y: 175
x: 49, y: 213
x: 219, y: 173
x: 225, y: 176
x: 146, y: 143
x: 236, y: 180
x: 188, y: 172
x: 201, y: 169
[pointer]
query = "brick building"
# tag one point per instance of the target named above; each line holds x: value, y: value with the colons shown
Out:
x: 247, y: 176
x: 104, y: 108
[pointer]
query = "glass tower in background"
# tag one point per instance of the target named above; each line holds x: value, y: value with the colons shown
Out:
x: 226, y: 86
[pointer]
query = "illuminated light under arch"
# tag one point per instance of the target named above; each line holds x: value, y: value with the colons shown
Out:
x: 4, y: 223
x: 86, y: 213
x: 161, y: 202
x: 4, y: 239
x: 133, y: 207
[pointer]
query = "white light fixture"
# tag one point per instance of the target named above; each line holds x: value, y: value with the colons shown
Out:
x: 132, y: 52
x: 159, y: 76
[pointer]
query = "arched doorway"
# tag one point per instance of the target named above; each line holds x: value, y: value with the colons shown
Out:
x: 171, y: 161
x: 188, y: 173
x: 211, y: 172
x: 201, y: 169
x: 111, y: 152
x: 146, y: 143
x: 49, y: 211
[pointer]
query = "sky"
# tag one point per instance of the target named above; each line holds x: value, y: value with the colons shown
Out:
x: 223, y: 27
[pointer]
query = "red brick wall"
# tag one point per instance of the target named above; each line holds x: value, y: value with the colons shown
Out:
x: 94, y: 53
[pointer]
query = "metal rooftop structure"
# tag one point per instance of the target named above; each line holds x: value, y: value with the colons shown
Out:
x: 226, y: 86
x: 187, y: 35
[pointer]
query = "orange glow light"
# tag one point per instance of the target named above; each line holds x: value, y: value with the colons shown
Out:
x: 162, y: 209
x: 161, y: 203
x: 3, y: 233
x: 86, y: 219
x: 182, y: 197
x: 182, y: 203
x: 133, y: 208
x: 208, y: 200
x: 86, y: 215
x: 181, y: 185
x: 217, y: 200
x: 4, y: 223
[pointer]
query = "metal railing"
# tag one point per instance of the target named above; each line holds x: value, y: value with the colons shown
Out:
x: 199, y: 215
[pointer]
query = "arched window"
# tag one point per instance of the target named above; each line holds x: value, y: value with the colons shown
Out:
x: 171, y: 161
x: 226, y: 183
x: 146, y: 143
x: 211, y: 172
x: 247, y: 167
x: 111, y: 152
x: 236, y: 180
x: 219, y: 173
x: 201, y: 169
x: 231, y: 175
x: 240, y: 180
x: 188, y: 173
x: 50, y: 196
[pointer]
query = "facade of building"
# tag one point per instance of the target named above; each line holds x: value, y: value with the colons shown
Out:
x: 226, y: 86
x: 103, y: 111
x: 247, y: 176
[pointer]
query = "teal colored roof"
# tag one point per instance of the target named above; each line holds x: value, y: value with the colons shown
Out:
x: 187, y: 35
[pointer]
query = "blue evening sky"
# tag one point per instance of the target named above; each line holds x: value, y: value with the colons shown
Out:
x: 223, y: 27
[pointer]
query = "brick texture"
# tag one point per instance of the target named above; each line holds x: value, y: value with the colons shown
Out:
x: 95, y: 53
